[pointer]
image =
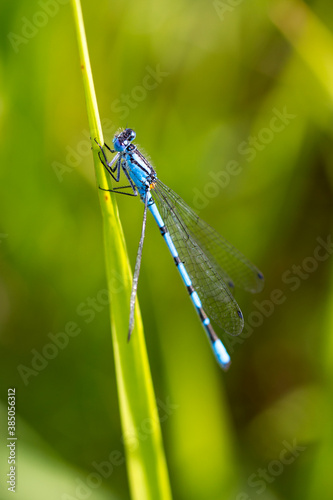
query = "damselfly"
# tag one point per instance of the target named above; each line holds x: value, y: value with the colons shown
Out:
x: 209, y: 266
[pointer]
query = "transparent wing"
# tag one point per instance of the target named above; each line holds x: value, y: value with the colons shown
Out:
x: 214, y: 265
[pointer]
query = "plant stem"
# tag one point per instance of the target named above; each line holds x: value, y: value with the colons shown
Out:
x: 146, y: 464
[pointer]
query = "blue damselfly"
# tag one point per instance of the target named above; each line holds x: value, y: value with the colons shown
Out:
x: 210, y: 267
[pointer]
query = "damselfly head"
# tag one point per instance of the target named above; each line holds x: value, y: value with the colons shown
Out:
x: 123, y: 139
x: 129, y: 134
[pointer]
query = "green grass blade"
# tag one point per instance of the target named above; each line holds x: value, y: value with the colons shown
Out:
x: 146, y: 463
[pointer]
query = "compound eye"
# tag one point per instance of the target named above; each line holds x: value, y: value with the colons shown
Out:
x: 130, y: 134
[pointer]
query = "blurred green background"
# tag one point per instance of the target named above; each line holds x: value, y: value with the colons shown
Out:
x: 232, y: 101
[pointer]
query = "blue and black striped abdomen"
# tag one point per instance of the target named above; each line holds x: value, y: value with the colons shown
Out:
x: 220, y: 352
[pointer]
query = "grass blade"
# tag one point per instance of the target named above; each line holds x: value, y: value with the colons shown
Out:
x: 146, y: 463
